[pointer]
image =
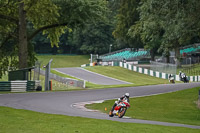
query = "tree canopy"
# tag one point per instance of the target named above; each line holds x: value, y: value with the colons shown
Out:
x: 167, y: 25
x: 126, y: 17
x: 90, y: 26
x: 22, y: 20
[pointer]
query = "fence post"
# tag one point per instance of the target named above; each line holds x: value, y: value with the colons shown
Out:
x: 47, y: 74
x: 84, y: 84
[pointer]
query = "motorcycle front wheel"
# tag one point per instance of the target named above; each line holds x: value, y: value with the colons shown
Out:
x: 122, y: 112
x: 111, y: 114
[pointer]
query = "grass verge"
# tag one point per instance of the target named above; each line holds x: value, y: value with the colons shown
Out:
x: 121, y: 74
x: 190, y: 70
x: 176, y: 107
x: 63, y: 75
x: 60, y: 61
x: 136, y: 78
x: 23, y: 121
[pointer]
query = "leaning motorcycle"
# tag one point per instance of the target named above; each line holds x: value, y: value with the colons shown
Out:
x: 184, y: 78
x: 171, y: 80
x: 120, y: 109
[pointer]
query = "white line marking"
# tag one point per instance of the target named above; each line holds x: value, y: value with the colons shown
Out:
x: 75, y: 77
x: 126, y: 117
x: 106, y: 76
x: 93, y: 73
x: 154, y: 94
x: 81, y: 105
x: 67, y: 74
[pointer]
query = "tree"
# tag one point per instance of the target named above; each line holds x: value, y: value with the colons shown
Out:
x: 51, y: 17
x: 172, y: 23
x: 96, y: 39
x: 126, y: 17
x: 149, y: 30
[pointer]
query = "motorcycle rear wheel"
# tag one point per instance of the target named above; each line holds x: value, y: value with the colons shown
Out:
x: 122, y: 112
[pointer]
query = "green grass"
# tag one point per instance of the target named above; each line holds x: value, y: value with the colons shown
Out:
x: 23, y: 121
x: 176, y: 107
x: 119, y: 73
x: 190, y: 70
x: 60, y: 61
x: 57, y: 86
x: 90, y: 85
x: 63, y: 75
x: 136, y: 78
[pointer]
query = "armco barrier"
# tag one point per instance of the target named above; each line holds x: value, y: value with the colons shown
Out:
x: 18, y: 86
x: 5, y: 86
x: 72, y: 82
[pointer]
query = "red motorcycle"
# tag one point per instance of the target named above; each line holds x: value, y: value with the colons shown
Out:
x: 120, y: 109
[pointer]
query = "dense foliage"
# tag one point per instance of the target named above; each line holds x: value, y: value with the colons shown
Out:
x: 167, y: 25
x: 91, y: 26
x: 22, y: 20
x: 126, y: 17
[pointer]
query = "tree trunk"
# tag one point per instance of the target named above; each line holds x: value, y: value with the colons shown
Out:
x: 167, y: 59
x: 23, y: 43
x: 177, y: 56
x: 167, y: 56
x: 152, y: 55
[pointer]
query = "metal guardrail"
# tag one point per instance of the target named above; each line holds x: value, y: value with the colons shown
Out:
x: 68, y: 81
x: 5, y: 86
x: 19, y: 86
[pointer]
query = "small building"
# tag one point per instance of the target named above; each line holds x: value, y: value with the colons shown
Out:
x: 21, y: 74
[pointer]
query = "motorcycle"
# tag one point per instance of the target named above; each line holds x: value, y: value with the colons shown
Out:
x: 171, y: 80
x: 120, y: 109
x: 184, y: 78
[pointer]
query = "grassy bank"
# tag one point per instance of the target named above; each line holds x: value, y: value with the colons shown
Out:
x: 190, y: 70
x: 127, y: 75
x: 177, y: 107
x: 23, y: 121
x: 60, y: 61
x: 135, y: 78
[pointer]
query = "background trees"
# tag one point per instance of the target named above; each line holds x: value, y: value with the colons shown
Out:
x: 22, y: 20
x: 126, y: 17
x: 167, y: 25
x: 90, y: 38
x: 90, y: 26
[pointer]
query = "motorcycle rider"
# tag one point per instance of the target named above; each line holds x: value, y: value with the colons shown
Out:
x: 171, y: 78
x: 183, y: 77
x: 123, y: 98
x: 180, y: 73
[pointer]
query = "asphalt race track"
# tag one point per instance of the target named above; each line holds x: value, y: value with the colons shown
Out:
x: 90, y: 76
x: 62, y: 102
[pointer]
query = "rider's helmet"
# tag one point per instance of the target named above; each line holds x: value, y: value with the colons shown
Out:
x: 127, y: 95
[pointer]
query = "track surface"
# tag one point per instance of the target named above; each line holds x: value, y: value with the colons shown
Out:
x: 62, y: 102
x: 90, y: 76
